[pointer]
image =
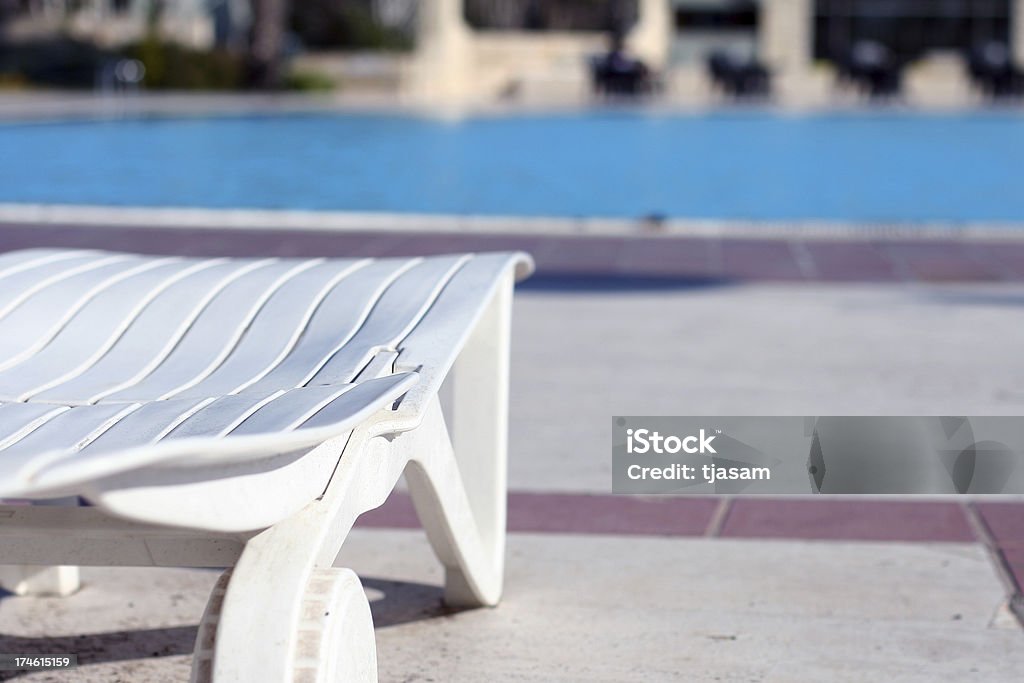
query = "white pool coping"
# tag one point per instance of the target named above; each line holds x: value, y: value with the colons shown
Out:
x: 538, y: 226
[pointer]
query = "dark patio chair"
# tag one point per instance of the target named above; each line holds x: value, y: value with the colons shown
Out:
x: 993, y: 71
x: 872, y: 69
x: 617, y: 74
x: 738, y: 77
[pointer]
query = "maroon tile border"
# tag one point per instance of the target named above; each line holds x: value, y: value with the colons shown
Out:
x: 694, y: 258
x: 760, y: 260
x: 397, y: 512
x: 944, y: 261
x: 601, y: 514
x: 852, y: 262
x: 755, y: 518
x: 1009, y: 261
x: 683, y: 258
x: 576, y: 513
x: 855, y: 520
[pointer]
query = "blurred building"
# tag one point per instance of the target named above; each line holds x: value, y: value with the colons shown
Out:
x: 112, y: 23
x: 488, y: 47
x: 539, y: 49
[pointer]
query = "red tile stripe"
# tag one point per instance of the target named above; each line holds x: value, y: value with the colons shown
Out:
x: 639, y: 256
x: 575, y: 513
x: 848, y: 520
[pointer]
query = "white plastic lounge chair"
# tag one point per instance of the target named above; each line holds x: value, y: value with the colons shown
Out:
x: 242, y: 413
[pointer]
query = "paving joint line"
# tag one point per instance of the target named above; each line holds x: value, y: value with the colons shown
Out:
x: 804, y: 260
x: 979, y: 527
x: 718, y: 518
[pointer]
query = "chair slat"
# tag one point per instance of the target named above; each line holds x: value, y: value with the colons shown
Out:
x: 33, y: 323
x: 152, y: 336
x: 433, y: 344
x: 112, y: 452
x: 14, y: 262
x: 214, y: 334
x: 290, y: 409
x: 68, y: 431
x: 220, y: 416
x: 275, y: 330
x: 15, y: 417
x: 395, y: 313
x: 23, y: 282
x: 93, y: 330
x: 337, y: 318
x: 348, y: 407
x: 151, y: 422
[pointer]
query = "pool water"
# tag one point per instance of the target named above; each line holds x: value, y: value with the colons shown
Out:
x: 733, y: 165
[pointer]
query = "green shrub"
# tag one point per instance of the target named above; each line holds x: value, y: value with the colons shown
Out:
x: 170, y: 66
x: 309, y: 81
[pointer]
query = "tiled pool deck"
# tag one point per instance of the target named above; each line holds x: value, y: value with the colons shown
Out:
x: 795, y: 589
x: 999, y: 526
x: 603, y: 259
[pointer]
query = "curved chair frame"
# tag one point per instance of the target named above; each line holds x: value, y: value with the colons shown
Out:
x: 282, y: 611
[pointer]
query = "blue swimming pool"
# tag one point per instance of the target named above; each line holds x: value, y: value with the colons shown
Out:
x: 733, y: 165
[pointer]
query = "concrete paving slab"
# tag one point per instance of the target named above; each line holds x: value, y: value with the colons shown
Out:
x: 582, y: 356
x: 597, y: 608
x: 610, y: 609
x: 128, y: 624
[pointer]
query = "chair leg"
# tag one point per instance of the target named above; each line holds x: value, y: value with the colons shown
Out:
x: 284, y: 613
x: 462, y: 500
x: 333, y: 640
x: 40, y: 581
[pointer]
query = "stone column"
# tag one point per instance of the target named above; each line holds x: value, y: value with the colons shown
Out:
x: 651, y: 37
x: 786, y: 34
x: 442, y: 61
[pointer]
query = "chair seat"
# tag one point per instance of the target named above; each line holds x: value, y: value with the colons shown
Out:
x: 110, y: 361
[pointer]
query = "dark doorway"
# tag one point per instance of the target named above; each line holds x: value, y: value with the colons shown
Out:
x: 551, y: 15
x: 909, y: 28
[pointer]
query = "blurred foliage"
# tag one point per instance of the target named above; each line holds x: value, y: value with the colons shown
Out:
x: 309, y: 81
x: 66, y: 62
x: 12, y: 81
x: 343, y: 24
x: 170, y: 66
